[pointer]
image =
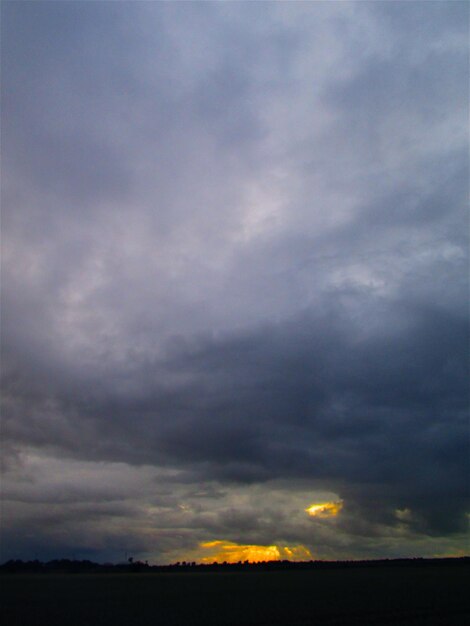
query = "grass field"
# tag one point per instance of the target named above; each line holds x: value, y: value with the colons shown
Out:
x: 431, y: 595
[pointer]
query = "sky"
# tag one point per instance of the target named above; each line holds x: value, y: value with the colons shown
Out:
x: 234, y: 280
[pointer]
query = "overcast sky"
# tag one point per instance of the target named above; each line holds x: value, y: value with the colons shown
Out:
x: 234, y: 280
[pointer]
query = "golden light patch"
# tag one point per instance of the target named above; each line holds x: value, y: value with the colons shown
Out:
x: 325, y: 509
x: 230, y: 552
x: 296, y: 553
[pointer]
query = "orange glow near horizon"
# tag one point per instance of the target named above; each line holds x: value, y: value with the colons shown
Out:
x: 325, y: 509
x: 231, y: 552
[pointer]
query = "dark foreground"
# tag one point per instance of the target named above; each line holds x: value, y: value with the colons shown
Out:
x: 429, y: 595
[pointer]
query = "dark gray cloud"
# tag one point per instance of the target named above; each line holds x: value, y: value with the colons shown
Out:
x: 234, y: 276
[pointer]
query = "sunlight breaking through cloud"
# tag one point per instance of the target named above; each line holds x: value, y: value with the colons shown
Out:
x: 325, y: 509
x: 220, y: 551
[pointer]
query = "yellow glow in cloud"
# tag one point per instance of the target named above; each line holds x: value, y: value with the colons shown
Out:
x: 296, y: 553
x: 325, y: 509
x: 230, y: 552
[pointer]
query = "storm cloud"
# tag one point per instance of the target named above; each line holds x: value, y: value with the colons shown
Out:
x: 234, y: 277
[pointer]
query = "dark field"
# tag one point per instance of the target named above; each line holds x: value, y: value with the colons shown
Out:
x: 382, y: 595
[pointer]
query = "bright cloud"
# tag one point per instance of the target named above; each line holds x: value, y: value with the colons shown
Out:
x: 220, y: 551
x: 324, y: 509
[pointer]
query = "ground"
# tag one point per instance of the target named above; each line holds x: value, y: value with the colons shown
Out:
x: 431, y: 595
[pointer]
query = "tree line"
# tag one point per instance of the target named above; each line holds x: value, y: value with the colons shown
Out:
x: 18, y: 566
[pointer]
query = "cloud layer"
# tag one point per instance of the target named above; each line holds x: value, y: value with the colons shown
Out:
x: 234, y: 277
